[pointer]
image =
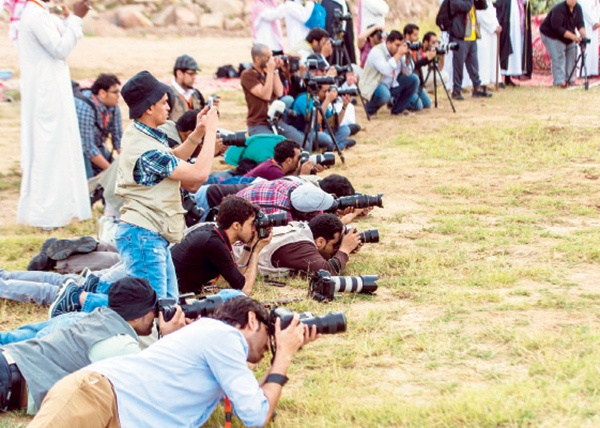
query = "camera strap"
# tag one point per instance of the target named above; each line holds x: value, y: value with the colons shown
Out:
x: 225, y: 241
x: 228, y: 412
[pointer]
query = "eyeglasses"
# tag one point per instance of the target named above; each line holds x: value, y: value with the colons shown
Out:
x: 115, y: 92
x: 191, y: 72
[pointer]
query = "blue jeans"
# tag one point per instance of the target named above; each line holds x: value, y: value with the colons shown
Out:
x: 404, y: 93
x: 31, y: 286
x: 39, y: 329
x: 420, y: 100
x: 380, y: 97
x: 325, y: 141
x: 288, y: 131
x: 107, y: 279
x: 146, y: 255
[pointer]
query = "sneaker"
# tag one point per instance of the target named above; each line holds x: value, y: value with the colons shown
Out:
x: 354, y: 128
x: 67, y: 299
x: 349, y: 143
x: 63, y: 248
x: 457, y: 96
x: 481, y: 93
x: 91, y: 283
x: 40, y: 262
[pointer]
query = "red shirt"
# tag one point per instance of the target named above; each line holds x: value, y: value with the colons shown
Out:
x: 269, y: 170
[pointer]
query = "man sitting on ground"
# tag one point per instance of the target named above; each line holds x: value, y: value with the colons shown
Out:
x: 29, y: 369
x: 180, y: 380
x: 316, y: 42
x: 206, y: 251
x: 99, y: 116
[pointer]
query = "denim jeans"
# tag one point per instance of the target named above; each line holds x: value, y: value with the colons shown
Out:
x: 404, y: 93
x: 380, y: 97
x: 146, y: 255
x: 562, y: 57
x: 288, y: 131
x: 39, y: 329
x: 31, y: 286
x: 325, y: 141
x: 420, y: 100
x: 107, y: 278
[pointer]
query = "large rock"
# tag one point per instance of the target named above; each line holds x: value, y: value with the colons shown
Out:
x: 211, y: 20
x: 132, y: 17
x: 228, y: 8
x: 98, y: 25
x: 175, y: 15
x: 233, y: 24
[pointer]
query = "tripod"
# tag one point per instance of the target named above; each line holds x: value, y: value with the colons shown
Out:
x: 583, y: 69
x: 313, y: 123
x: 433, y: 66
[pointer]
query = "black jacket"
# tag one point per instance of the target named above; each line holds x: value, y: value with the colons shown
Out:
x: 561, y: 19
x: 458, y: 12
x: 330, y: 6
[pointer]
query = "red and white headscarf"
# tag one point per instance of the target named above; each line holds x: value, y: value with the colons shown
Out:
x: 257, y: 7
x: 15, y: 9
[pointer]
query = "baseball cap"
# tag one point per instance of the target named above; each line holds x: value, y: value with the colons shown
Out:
x: 186, y: 62
x: 308, y: 198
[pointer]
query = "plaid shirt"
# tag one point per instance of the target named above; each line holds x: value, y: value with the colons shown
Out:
x: 153, y: 166
x: 271, y: 196
x: 91, y: 137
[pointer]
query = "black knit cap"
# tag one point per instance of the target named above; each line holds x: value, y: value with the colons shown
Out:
x: 131, y: 297
x: 141, y: 91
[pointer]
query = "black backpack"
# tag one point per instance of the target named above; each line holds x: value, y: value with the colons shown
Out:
x: 77, y: 93
x: 227, y: 71
x: 443, y: 18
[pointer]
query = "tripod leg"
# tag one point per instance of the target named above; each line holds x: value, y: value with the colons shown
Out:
x: 439, y: 73
x: 330, y: 132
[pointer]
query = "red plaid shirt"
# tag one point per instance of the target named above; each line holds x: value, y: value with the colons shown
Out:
x: 271, y: 196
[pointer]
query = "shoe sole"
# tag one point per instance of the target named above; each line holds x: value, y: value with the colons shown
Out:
x: 59, y: 295
x: 63, y: 248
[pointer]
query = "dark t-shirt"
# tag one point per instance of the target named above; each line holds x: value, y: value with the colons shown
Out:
x: 303, y: 257
x: 561, y: 19
x: 257, y: 107
x: 204, y: 254
x: 269, y: 170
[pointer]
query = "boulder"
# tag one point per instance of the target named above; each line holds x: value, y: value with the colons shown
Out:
x: 131, y: 16
x: 175, y: 15
x: 228, y: 8
x: 98, y: 25
x: 233, y: 24
x: 211, y: 20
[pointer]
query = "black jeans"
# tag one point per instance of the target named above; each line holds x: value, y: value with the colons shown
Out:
x: 466, y: 54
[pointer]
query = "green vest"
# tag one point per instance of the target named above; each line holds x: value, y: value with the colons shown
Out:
x: 371, y: 77
x: 157, y: 208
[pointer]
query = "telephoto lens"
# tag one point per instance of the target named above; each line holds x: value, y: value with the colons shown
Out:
x: 326, y: 159
x: 358, y: 201
x: 331, y: 323
x: 323, y: 286
x: 236, y: 139
x: 264, y: 221
x: 367, y: 237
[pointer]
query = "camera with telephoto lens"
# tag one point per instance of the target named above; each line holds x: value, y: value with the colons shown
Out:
x: 323, y: 286
x: 358, y: 201
x: 202, y: 307
x: 292, y: 62
x: 370, y: 236
x: 234, y: 139
x: 326, y: 159
x: 414, y: 46
x: 264, y: 221
x: 331, y: 323
x: 341, y: 69
x: 348, y: 91
x: 313, y: 83
x: 444, y: 49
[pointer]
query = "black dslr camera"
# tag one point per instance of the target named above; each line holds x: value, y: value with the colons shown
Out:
x: 444, y: 49
x: 264, y: 221
x: 414, y: 46
x: 236, y: 139
x: 202, y: 307
x: 370, y: 236
x: 331, y: 323
x: 313, y: 83
x: 358, y: 201
x: 323, y: 286
x: 292, y: 62
x: 339, y: 16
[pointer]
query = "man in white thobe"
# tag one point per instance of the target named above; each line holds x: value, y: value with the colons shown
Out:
x: 591, y: 19
x: 371, y: 12
x: 515, y: 41
x: 53, y: 186
x: 296, y: 14
x: 487, y: 45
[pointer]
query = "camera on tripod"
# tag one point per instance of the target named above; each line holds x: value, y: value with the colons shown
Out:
x: 331, y: 323
x: 444, y: 49
x: 264, y: 221
x: 358, y: 201
x: 326, y: 159
x: 583, y: 43
x: 234, y: 139
x: 202, y: 307
x: 339, y: 16
x: 323, y: 286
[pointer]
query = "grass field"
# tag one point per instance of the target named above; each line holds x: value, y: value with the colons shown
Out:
x: 488, y: 310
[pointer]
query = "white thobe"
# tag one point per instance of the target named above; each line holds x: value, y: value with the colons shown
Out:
x: 591, y: 16
x: 515, y: 59
x: 295, y: 17
x: 263, y: 28
x: 372, y: 12
x: 487, y: 45
x: 53, y: 185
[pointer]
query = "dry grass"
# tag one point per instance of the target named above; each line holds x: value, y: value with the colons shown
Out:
x: 488, y: 309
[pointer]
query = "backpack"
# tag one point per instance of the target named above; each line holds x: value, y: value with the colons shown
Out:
x: 443, y: 19
x: 317, y: 17
x: 227, y: 71
x: 78, y: 93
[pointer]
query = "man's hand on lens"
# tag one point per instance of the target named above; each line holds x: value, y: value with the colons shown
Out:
x: 174, y: 324
x: 318, y: 168
x: 331, y: 95
x: 350, y: 241
x: 262, y: 243
x: 306, y: 168
x: 290, y: 340
x: 431, y: 54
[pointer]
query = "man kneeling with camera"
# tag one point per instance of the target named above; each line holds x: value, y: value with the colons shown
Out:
x: 179, y: 380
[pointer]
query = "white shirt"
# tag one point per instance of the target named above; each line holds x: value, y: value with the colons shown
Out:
x: 373, y: 12
x: 295, y: 17
x: 386, y: 64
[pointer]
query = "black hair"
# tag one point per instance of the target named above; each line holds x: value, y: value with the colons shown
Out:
x: 104, y: 82
x: 316, y: 34
x: 325, y: 226
x: 235, y: 312
x: 427, y: 37
x: 393, y: 36
x: 409, y: 29
x: 285, y: 149
x: 234, y: 208
x: 337, y: 185
x: 187, y: 122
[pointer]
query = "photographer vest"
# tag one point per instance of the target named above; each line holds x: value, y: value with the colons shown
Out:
x: 180, y: 105
x: 272, y: 196
x: 292, y: 233
x: 157, y: 208
x: 371, y: 77
x: 45, y: 361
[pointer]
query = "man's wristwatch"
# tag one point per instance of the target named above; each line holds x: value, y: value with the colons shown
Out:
x: 277, y: 378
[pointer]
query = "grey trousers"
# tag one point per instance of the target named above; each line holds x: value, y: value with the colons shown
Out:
x: 562, y: 57
x: 466, y: 55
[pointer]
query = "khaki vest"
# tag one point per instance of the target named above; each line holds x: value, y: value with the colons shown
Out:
x: 180, y: 106
x: 157, y: 208
x: 294, y: 232
x: 371, y: 77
